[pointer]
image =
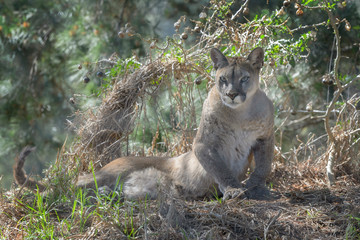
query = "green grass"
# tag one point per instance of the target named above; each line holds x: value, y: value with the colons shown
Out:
x: 36, y: 223
x: 353, y: 228
x: 65, y: 217
x: 216, y: 195
x: 65, y: 211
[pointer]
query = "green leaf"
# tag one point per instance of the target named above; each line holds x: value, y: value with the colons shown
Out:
x: 292, y: 61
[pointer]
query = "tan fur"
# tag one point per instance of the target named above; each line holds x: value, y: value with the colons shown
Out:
x: 236, y: 123
x: 19, y: 174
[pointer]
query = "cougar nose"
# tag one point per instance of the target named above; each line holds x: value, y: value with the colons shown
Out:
x: 232, y: 95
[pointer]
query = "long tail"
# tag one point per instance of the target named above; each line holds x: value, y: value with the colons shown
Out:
x: 19, y: 173
x: 122, y: 167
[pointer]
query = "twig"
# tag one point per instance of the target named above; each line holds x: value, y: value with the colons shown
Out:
x: 240, y: 10
x: 336, y: 69
x: 293, y: 112
x: 331, y: 138
x: 106, y: 61
x: 341, y: 88
x: 266, y: 228
x: 308, y: 26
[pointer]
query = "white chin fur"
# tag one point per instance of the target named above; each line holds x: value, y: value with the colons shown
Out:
x: 231, y: 103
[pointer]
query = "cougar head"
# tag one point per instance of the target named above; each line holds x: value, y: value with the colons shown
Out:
x: 237, y: 79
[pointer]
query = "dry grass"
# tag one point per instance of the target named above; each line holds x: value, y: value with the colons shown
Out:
x: 306, y: 208
x: 104, y: 131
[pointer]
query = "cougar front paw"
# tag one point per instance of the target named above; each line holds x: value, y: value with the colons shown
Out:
x: 233, y: 193
x: 258, y: 192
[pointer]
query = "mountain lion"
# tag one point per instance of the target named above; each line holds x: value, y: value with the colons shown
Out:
x: 236, y: 123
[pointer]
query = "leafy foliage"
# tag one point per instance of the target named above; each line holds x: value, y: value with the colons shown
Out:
x: 168, y: 111
x: 46, y: 48
x: 151, y: 106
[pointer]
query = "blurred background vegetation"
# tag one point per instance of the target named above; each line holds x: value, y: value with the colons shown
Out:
x: 48, y: 50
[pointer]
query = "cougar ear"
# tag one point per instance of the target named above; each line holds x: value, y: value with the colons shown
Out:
x: 218, y: 58
x: 256, y: 58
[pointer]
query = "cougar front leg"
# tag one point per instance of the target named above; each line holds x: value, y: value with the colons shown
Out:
x: 212, y: 162
x: 263, y: 154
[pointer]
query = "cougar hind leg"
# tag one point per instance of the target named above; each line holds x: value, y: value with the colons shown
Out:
x: 147, y: 183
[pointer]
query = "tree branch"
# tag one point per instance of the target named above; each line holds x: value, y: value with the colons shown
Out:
x: 241, y: 9
x: 340, y: 88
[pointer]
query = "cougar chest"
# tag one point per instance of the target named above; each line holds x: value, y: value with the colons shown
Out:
x: 239, y: 144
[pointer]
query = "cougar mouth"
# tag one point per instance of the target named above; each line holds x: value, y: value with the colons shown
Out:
x: 234, y: 103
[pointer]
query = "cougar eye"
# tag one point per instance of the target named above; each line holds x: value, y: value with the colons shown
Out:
x: 245, y: 79
x: 222, y: 79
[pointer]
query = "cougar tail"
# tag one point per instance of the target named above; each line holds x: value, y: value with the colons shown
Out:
x: 19, y: 173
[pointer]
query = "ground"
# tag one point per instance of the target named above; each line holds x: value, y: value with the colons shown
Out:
x: 306, y: 208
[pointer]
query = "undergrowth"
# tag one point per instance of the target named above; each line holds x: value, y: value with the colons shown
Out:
x: 306, y: 209
x: 38, y: 217
x: 152, y: 107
